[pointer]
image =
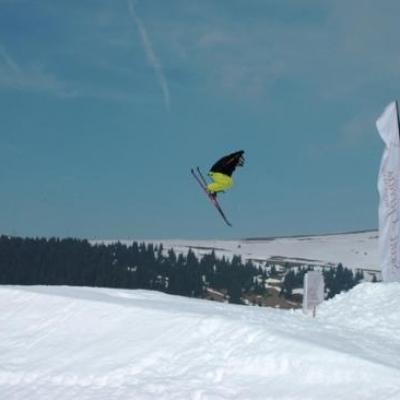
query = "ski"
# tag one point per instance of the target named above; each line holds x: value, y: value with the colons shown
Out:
x: 203, y: 183
x: 201, y: 176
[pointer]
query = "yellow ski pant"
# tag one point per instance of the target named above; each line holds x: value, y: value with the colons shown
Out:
x: 220, y: 182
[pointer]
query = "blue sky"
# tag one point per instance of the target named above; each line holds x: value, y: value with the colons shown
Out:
x: 105, y: 106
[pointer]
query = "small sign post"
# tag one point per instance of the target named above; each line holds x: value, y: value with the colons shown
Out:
x: 313, y: 291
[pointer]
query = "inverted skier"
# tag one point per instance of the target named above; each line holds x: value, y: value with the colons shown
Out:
x: 221, y: 172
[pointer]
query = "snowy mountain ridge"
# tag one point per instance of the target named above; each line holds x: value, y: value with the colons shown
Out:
x: 355, y: 250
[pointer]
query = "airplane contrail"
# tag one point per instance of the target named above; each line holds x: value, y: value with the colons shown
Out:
x: 151, y: 55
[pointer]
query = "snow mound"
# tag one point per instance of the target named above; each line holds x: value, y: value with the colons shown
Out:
x: 368, y: 306
x: 90, y: 343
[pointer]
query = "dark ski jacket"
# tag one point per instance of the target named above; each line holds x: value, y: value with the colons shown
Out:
x: 226, y: 165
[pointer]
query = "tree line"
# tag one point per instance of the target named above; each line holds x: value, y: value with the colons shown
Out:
x: 76, y: 262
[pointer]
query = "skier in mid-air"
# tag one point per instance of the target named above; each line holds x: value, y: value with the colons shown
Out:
x: 221, y: 176
x: 221, y: 172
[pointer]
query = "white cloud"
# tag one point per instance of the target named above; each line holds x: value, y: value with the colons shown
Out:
x: 214, y: 38
x: 336, y: 52
x: 358, y: 129
x: 33, y: 77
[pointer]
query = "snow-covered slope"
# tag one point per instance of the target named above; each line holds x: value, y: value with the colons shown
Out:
x: 353, y: 250
x: 103, y: 344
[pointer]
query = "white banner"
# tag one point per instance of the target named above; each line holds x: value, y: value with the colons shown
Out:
x: 313, y: 290
x: 389, y: 195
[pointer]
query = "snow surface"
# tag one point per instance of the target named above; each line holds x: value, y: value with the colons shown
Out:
x: 61, y: 343
x: 353, y: 250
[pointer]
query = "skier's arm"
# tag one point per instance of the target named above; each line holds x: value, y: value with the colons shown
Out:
x: 236, y: 158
